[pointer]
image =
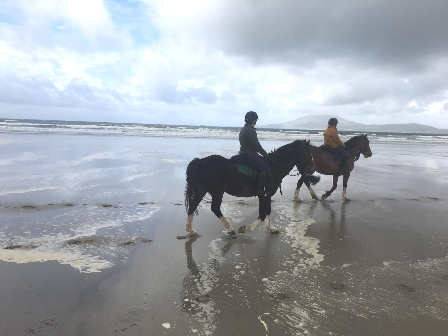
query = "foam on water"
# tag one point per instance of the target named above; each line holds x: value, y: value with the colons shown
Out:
x: 65, y: 127
x: 98, y: 252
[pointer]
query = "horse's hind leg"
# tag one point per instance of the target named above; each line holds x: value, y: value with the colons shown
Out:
x: 216, y: 209
x: 344, y: 185
x: 312, y: 193
x: 335, y: 184
x: 191, y: 209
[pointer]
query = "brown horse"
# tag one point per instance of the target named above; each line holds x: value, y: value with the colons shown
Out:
x: 324, y: 164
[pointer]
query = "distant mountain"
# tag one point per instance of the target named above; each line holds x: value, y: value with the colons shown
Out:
x: 319, y: 122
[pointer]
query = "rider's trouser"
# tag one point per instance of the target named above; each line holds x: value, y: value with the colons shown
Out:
x: 257, y: 163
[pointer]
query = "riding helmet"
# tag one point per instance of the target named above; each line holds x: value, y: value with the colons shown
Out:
x: 333, y: 121
x: 250, y: 117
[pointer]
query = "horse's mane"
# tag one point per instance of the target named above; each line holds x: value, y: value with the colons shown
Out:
x: 350, y: 143
x: 287, y: 149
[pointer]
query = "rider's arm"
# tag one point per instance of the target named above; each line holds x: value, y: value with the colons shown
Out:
x: 337, y: 139
x: 253, y: 139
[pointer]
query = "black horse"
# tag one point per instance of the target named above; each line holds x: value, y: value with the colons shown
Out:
x: 216, y: 175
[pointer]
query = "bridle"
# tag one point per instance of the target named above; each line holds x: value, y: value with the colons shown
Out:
x: 363, y: 152
x: 307, y: 170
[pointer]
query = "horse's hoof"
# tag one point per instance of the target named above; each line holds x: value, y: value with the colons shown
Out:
x: 231, y: 233
x: 347, y: 199
x: 324, y: 197
x: 297, y: 200
x: 194, y: 234
x: 242, y: 229
x: 275, y: 231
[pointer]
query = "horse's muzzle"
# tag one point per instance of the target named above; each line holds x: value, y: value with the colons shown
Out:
x: 309, y: 170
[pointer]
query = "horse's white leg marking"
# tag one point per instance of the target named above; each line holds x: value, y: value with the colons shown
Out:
x: 268, y: 222
x: 252, y: 227
x: 313, y: 194
x: 344, y: 195
x: 296, y: 196
x: 268, y: 225
x: 189, y: 226
x: 226, y: 224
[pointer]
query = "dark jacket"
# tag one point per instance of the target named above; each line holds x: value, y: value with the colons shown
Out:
x: 249, y: 143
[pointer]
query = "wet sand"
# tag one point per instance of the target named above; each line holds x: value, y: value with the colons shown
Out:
x: 90, y: 227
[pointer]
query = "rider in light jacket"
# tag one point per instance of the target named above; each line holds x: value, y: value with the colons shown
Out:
x: 331, y: 139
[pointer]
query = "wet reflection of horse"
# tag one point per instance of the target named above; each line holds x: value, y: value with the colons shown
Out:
x: 198, y: 294
x: 324, y: 164
x: 215, y: 174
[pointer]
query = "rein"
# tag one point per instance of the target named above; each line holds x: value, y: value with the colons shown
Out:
x: 278, y: 164
x: 355, y: 158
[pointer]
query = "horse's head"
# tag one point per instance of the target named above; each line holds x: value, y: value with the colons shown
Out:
x: 365, y: 146
x: 305, y: 163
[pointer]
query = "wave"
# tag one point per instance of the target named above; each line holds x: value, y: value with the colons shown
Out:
x: 185, y: 131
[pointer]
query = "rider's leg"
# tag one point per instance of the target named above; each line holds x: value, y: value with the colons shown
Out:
x: 257, y: 163
x: 344, y: 158
x: 259, y: 190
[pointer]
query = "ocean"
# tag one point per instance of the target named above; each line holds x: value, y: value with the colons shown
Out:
x: 185, y: 131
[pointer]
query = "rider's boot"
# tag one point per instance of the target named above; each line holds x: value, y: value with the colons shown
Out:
x: 342, y: 168
x: 259, y: 190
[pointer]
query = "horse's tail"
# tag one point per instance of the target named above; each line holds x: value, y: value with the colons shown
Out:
x: 313, y: 179
x: 191, y: 188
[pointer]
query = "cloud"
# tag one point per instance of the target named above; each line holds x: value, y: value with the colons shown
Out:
x: 208, y: 62
x: 400, y: 34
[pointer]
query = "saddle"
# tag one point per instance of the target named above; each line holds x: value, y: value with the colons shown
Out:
x: 335, y: 157
x: 242, y: 168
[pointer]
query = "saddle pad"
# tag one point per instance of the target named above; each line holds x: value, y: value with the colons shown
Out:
x: 246, y: 170
x: 335, y: 157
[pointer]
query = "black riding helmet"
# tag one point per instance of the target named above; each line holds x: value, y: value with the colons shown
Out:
x: 333, y: 121
x: 250, y: 117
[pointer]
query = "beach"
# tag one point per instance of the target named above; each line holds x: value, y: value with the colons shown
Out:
x: 89, y: 242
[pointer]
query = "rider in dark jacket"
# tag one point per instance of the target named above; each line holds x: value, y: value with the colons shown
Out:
x: 249, y: 149
x: 335, y: 145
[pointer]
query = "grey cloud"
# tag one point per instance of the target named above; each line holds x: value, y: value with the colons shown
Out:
x: 401, y: 33
x: 42, y: 92
x: 15, y: 90
x: 169, y: 94
x: 201, y: 94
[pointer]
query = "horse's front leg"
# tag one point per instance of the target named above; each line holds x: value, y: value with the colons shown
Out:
x: 335, y: 184
x: 262, y: 210
x: 312, y: 193
x: 268, y: 220
x: 296, y: 193
x: 344, y: 185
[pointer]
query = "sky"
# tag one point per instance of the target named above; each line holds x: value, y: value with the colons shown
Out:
x: 208, y: 62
